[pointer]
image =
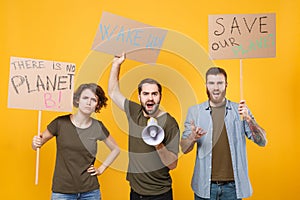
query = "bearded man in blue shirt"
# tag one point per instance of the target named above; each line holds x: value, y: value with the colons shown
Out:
x: 220, y: 127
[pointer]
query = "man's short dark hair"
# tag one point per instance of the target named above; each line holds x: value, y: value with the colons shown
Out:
x: 216, y: 71
x: 150, y: 81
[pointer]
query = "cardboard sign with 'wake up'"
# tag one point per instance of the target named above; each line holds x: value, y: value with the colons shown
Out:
x: 140, y: 42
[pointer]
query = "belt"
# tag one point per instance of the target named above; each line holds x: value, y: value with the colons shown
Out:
x: 221, y: 182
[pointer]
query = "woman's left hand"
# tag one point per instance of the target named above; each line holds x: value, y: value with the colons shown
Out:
x: 93, y: 171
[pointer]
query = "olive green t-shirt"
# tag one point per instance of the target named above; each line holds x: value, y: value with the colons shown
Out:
x: 146, y: 173
x: 76, y: 149
x: 221, y: 158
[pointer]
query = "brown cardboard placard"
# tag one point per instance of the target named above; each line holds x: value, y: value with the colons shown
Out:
x: 234, y: 36
x: 140, y: 42
x: 40, y: 84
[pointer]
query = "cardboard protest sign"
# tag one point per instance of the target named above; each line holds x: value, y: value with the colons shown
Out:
x: 41, y: 84
x: 242, y: 36
x: 139, y: 41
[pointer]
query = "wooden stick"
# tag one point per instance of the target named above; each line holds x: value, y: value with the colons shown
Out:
x: 241, y: 85
x: 38, y: 150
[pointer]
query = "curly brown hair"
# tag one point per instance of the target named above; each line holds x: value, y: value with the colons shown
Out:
x: 102, y: 99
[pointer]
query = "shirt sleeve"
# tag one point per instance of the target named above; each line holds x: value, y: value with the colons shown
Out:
x: 247, y: 129
x: 172, y: 136
x: 131, y: 108
x: 53, y: 126
x: 104, y: 130
x: 187, y: 124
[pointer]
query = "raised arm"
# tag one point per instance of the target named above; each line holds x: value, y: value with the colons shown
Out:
x: 258, y: 133
x: 113, y: 82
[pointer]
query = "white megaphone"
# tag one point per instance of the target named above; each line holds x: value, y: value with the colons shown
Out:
x: 153, y: 134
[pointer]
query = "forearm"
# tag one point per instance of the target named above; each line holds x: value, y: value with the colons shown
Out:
x: 167, y: 157
x: 113, y: 86
x: 109, y: 160
x: 187, y: 145
x: 258, y: 133
x: 113, y: 83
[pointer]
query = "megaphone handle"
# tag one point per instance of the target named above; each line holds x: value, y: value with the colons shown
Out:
x: 159, y: 146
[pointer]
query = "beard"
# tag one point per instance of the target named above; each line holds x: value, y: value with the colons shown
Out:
x: 216, y: 100
x: 155, y: 107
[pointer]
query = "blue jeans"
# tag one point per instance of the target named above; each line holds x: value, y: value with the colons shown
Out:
x: 221, y: 192
x: 91, y: 195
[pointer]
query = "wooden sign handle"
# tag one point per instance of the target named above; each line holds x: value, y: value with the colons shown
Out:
x: 241, y: 85
x: 38, y: 150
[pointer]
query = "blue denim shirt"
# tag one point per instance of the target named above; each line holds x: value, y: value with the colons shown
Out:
x: 236, y: 131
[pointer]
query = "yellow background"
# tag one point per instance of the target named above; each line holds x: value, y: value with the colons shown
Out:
x: 64, y: 31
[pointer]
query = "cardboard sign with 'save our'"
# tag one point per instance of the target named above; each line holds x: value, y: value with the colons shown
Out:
x: 242, y: 36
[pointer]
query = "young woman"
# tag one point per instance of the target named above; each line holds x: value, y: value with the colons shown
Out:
x: 75, y: 176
